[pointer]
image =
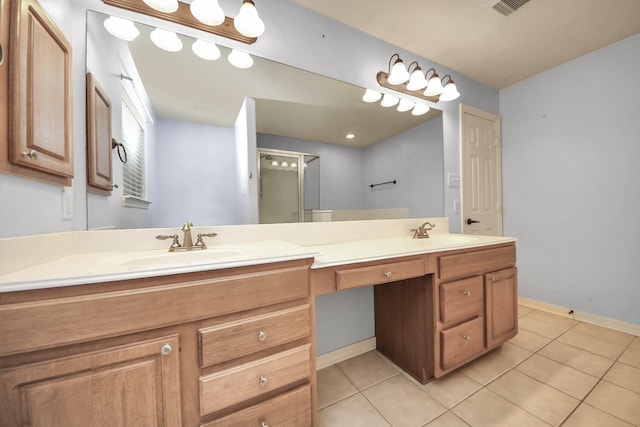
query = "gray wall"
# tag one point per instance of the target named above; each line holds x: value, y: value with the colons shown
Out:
x: 571, y: 144
x: 196, y: 174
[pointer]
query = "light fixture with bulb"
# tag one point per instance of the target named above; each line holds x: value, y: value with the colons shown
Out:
x: 166, y: 40
x: 412, y: 81
x: 121, y: 28
x: 204, y: 15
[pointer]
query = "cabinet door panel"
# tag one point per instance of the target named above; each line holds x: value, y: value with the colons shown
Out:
x: 461, y: 300
x: 501, y: 306
x: 130, y: 385
x: 40, y: 93
x: 98, y: 136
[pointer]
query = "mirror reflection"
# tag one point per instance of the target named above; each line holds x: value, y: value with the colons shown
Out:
x: 204, y: 122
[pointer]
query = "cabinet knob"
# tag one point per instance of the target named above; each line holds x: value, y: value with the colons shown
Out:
x: 466, y: 337
x: 32, y: 154
x: 166, y: 350
x: 465, y: 293
x: 263, y: 424
x: 387, y: 274
x: 262, y: 335
x: 263, y: 381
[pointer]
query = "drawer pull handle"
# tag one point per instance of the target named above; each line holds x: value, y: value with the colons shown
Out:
x: 263, y: 381
x: 466, y: 337
x: 262, y: 335
x: 166, y: 350
x: 32, y: 154
x: 465, y: 293
x: 387, y: 274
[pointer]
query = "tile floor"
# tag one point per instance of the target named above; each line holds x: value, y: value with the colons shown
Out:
x: 556, y: 372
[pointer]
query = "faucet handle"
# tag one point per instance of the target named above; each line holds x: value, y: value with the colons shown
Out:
x: 200, y: 241
x: 174, y: 237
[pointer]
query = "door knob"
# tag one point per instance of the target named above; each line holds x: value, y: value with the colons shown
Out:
x: 472, y: 221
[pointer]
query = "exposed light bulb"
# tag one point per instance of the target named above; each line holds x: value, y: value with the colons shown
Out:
x: 294, y: 165
x: 208, y: 12
x: 121, y: 28
x: 285, y: 164
x: 371, y: 95
x: 248, y: 23
x: 350, y: 135
x: 166, y: 40
x: 389, y: 100
x: 405, y: 105
x: 274, y: 163
x: 420, y: 109
x: 206, y: 50
x: 166, y: 6
x: 240, y: 59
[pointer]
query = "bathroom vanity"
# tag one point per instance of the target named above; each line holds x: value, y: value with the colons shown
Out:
x: 227, y: 337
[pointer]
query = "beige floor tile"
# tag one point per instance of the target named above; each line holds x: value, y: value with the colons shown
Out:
x: 495, y: 363
x: 631, y: 355
x: 563, y: 321
x: 333, y: 386
x: 625, y: 376
x: 561, y: 377
x: 543, y: 401
x: 594, y: 344
x: 452, y: 388
x: 354, y: 411
x: 588, y: 416
x: 403, y: 403
x: 487, y: 409
x: 367, y: 369
x: 617, y: 401
x: 523, y: 310
x: 448, y: 419
x: 604, y: 333
x: 579, y: 359
x: 540, y: 327
x: 529, y: 340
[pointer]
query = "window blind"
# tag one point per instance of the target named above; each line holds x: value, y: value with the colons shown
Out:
x: 133, y: 140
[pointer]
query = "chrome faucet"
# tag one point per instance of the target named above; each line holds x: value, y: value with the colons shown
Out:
x: 422, y: 232
x: 187, y: 240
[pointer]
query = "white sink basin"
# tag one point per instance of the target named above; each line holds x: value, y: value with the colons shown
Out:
x: 179, y: 258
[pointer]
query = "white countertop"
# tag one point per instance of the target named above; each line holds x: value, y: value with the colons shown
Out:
x: 97, y: 267
x: 377, y: 249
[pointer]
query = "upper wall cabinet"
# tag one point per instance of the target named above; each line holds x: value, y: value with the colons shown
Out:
x: 40, y: 113
x: 100, y: 170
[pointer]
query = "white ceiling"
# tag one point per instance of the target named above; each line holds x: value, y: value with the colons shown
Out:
x: 469, y: 36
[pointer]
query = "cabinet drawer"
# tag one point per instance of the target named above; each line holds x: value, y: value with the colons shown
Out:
x: 461, y: 300
x: 239, y: 383
x: 461, y: 343
x: 377, y: 274
x: 289, y: 409
x: 476, y: 262
x: 235, y: 339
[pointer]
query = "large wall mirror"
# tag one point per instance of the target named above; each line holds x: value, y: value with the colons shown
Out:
x: 194, y: 113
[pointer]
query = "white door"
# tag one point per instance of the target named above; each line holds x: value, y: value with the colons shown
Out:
x: 481, y: 172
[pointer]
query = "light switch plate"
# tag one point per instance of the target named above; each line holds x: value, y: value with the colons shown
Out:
x: 456, y: 206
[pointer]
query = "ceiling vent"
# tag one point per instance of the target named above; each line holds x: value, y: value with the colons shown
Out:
x: 507, y: 7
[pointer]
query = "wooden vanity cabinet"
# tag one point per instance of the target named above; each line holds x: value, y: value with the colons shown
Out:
x: 210, y: 348
x: 39, y: 143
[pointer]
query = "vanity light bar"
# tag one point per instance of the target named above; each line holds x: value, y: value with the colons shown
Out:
x: 183, y: 16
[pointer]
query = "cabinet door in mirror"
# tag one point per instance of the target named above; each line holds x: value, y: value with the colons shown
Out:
x: 98, y: 136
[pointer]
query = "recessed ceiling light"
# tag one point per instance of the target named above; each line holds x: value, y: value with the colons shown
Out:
x: 350, y: 135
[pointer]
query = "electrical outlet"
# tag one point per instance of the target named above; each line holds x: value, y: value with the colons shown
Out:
x: 453, y: 180
x: 67, y: 204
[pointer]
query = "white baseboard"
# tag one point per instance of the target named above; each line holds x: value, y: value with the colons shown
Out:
x: 344, y: 353
x: 605, y: 322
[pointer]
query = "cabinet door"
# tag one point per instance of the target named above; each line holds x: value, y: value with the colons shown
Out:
x: 132, y: 385
x: 98, y: 136
x: 40, y: 92
x: 501, y: 289
x: 4, y: 72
